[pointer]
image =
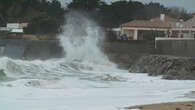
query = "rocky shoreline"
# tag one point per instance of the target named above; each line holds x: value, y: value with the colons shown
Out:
x: 170, y: 67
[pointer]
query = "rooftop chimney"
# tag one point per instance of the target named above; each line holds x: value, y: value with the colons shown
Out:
x: 162, y: 17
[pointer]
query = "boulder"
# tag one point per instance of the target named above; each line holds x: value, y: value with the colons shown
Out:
x: 170, y: 67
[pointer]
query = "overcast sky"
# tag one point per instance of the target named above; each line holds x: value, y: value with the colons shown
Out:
x: 189, y: 5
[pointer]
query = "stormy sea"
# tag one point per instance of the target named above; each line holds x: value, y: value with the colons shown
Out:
x: 84, y: 79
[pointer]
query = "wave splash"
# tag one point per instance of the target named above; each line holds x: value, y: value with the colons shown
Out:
x: 83, y: 59
x: 82, y: 40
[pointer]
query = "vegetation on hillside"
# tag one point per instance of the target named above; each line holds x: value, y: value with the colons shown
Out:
x: 116, y: 13
x: 46, y: 16
x: 42, y: 16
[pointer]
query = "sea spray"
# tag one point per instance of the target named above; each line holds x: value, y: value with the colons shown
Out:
x: 69, y: 87
x: 83, y: 59
x: 81, y: 40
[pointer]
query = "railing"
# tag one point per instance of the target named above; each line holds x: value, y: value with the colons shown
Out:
x: 169, y: 38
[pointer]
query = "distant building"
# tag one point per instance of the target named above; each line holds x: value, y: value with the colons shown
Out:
x: 190, y: 26
x: 190, y: 23
x: 14, y: 27
x: 12, y: 30
x: 163, y: 26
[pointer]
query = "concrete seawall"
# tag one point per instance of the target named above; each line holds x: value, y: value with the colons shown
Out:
x: 123, y: 53
x: 181, y: 47
x: 30, y: 49
x: 126, y: 53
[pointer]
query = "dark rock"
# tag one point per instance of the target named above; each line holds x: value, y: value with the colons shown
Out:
x: 2, y: 73
x: 170, y: 67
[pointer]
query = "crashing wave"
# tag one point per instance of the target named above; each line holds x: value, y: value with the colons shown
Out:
x: 83, y: 58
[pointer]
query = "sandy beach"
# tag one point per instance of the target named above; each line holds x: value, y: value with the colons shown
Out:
x: 166, y: 106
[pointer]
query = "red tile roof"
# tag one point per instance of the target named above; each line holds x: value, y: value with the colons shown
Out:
x: 166, y: 19
x: 153, y: 23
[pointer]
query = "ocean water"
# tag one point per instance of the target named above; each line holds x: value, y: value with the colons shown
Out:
x: 84, y: 79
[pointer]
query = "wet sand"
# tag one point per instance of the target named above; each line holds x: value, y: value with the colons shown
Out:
x: 166, y: 106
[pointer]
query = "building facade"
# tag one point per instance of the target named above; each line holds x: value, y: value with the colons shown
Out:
x: 163, y: 26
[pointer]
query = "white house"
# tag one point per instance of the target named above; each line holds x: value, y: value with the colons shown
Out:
x: 14, y: 27
x: 164, y: 26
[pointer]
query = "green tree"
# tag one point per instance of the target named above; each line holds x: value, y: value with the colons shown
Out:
x: 84, y: 4
x: 120, y: 12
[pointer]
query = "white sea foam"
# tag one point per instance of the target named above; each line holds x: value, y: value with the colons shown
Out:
x: 83, y: 80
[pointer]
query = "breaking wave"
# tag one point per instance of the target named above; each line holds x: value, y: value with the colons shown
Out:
x: 83, y: 59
